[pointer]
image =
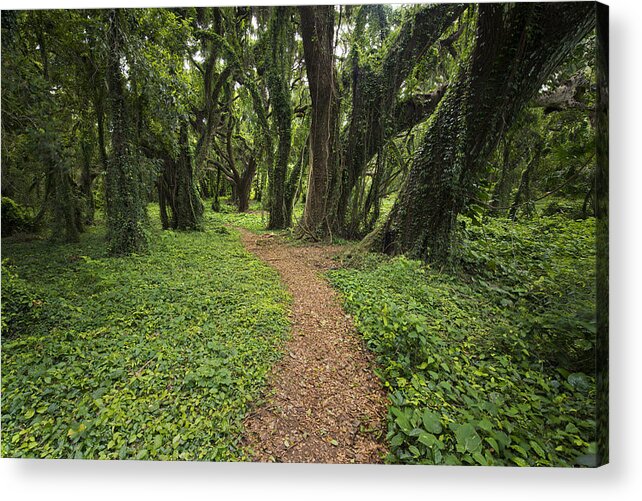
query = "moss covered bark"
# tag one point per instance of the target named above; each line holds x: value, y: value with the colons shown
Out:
x: 125, y: 208
x: 518, y: 46
x: 189, y: 207
x: 374, y: 93
x: 278, y: 76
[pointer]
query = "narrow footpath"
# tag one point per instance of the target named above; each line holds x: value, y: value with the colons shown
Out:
x: 324, y: 404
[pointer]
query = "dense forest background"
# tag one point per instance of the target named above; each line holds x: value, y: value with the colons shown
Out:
x: 451, y: 148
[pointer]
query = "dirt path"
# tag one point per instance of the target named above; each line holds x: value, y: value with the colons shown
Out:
x: 324, y: 404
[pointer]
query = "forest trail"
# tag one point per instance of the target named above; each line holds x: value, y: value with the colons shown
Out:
x: 324, y: 404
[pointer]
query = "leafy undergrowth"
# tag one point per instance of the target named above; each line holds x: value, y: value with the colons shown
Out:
x: 256, y: 219
x: 469, y: 357
x: 145, y: 357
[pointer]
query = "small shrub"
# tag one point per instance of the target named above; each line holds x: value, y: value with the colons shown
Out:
x: 15, y: 218
x: 20, y: 305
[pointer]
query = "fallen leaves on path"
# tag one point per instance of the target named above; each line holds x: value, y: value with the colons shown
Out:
x: 324, y: 404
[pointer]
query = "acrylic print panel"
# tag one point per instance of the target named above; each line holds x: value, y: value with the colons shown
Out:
x: 327, y: 234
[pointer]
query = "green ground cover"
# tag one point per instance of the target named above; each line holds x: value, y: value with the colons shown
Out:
x: 150, y: 357
x: 158, y: 356
x: 487, y: 363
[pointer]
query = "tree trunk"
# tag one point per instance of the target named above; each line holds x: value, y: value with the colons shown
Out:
x: 518, y: 47
x: 374, y: 93
x: 99, y: 107
x: 59, y: 193
x: 317, y: 29
x: 67, y: 224
x: 216, y: 205
x: 278, y: 73
x: 503, y: 186
x: 189, y: 207
x: 86, y: 180
x: 126, y: 211
x: 244, y: 186
x: 162, y: 202
x: 523, y: 193
x: 588, y: 202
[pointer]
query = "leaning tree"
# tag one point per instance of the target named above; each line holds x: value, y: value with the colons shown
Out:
x: 517, y: 47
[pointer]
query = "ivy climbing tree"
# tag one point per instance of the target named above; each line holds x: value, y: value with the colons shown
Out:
x: 126, y: 207
x: 278, y: 71
x: 376, y: 113
x: 517, y: 47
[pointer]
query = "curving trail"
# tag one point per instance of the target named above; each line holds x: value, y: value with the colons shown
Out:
x: 324, y: 403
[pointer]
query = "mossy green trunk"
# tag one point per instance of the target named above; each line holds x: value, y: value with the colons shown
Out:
x: 278, y: 72
x: 189, y: 207
x: 125, y: 207
x: 518, y: 46
x: 374, y: 114
x: 59, y: 192
x: 67, y: 223
x: 181, y: 207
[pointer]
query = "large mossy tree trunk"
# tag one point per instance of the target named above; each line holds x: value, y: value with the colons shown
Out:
x: 518, y: 46
x: 244, y: 186
x: 125, y: 198
x: 317, y: 30
x: 181, y: 207
x: 278, y: 76
x: 188, y: 205
x: 67, y: 220
x: 59, y: 186
x: 375, y: 112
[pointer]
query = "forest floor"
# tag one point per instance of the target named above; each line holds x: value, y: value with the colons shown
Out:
x: 324, y: 404
x: 196, y: 350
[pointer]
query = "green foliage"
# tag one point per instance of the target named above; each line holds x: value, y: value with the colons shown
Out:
x: 20, y: 306
x: 544, y: 271
x: 15, y: 218
x: 254, y: 220
x: 469, y: 362
x: 141, y: 357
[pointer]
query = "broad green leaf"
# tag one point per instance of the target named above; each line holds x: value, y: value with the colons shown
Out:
x: 431, y: 421
x: 536, y: 447
x: 468, y: 438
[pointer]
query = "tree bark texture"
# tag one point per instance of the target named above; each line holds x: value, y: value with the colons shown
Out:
x: 189, y: 207
x: 126, y: 211
x: 59, y: 193
x: 278, y: 71
x: 518, y: 47
x: 374, y: 92
x: 317, y: 25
